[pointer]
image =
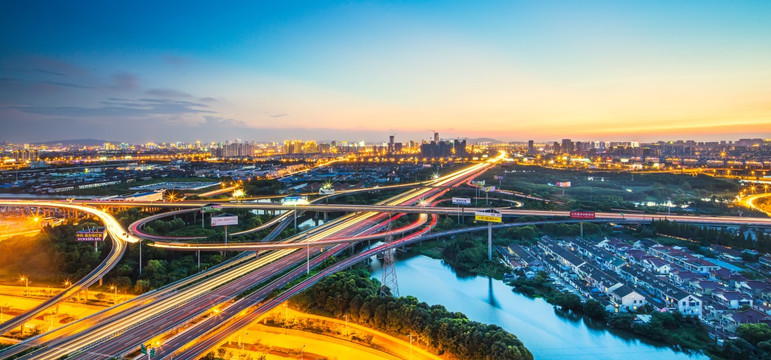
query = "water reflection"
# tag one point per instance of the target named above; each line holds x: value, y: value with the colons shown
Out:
x: 549, y: 333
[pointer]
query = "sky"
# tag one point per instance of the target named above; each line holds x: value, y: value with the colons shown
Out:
x: 139, y: 71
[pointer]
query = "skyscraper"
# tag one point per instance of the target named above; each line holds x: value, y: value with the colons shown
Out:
x: 567, y: 146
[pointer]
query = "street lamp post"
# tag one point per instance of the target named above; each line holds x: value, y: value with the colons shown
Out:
x: 1, y: 312
x: 25, y: 279
x: 410, y: 346
x: 115, y: 294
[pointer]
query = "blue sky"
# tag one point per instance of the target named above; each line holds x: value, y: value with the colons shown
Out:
x: 513, y: 70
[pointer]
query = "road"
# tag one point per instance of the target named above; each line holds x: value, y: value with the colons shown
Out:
x: 198, y: 298
x: 119, y: 239
x: 694, y: 219
x: 749, y: 201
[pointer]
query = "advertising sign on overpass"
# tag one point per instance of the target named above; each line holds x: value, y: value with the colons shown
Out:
x: 90, y: 235
x: 489, y: 216
x: 211, y: 208
x: 582, y: 215
x: 224, y: 220
x: 461, y: 201
x: 295, y: 200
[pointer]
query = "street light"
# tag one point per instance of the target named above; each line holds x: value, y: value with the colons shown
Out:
x: 410, y: 346
x: 25, y: 280
x: 1, y: 312
x: 67, y: 283
x: 115, y: 294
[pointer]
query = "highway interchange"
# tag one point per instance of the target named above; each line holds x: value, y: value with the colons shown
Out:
x: 212, y: 297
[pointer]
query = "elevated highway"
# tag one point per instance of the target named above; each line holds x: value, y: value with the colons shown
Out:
x: 119, y: 239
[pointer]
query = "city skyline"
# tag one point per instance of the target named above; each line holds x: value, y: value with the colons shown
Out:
x: 273, y: 71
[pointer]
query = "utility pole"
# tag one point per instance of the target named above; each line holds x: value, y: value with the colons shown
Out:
x: 489, y: 241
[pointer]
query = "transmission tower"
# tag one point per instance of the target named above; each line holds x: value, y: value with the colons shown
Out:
x: 389, y: 269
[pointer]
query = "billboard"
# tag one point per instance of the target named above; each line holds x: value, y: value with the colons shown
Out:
x: 224, y: 220
x: 488, y: 216
x: 295, y: 200
x: 478, y: 182
x: 488, y: 188
x: 461, y: 201
x: 323, y: 191
x: 91, y: 235
x: 498, y: 177
x: 582, y: 215
x: 563, y: 184
x: 211, y: 208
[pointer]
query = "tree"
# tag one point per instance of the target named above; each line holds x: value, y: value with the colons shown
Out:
x: 754, y: 333
x: 594, y: 310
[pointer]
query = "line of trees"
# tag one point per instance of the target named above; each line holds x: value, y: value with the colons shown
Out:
x: 706, y: 236
x: 355, y: 295
x: 753, y: 343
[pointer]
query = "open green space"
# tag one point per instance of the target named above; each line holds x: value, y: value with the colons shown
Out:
x: 606, y: 191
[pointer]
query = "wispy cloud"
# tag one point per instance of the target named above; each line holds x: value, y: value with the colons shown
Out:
x: 124, y: 81
x: 169, y: 93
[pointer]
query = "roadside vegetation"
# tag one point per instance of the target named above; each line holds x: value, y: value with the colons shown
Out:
x: 354, y: 295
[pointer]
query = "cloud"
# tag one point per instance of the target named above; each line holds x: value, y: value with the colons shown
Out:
x: 175, y: 60
x: 119, y: 109
x: 168, y: 93
x: 125, y: 81
x: 215, y: 121
x: 278, y: 115
x: 207, y: 99
x: 49, y: 72
x: 66, y: 84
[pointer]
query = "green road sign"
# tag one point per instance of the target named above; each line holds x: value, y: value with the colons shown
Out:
x: 143, y: 349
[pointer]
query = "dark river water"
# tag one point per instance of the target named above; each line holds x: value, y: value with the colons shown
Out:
x: 546, y: 332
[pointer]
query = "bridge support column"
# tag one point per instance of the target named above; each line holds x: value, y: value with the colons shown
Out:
x: 199, y: 258
x: 489, y: 241
x: 308, y: 260
x: 582, y: 228
x: 140, y: 256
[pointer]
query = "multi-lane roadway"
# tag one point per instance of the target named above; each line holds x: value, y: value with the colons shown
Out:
x: 108, y: 336
x: 119, y: 239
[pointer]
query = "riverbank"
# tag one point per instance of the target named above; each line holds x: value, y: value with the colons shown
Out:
x: 547, y: 332
x: 673, y: 330
x: 354, y: 295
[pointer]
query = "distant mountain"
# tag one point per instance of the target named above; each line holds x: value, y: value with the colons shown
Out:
x: 471, y: 141
x: 77, y: 142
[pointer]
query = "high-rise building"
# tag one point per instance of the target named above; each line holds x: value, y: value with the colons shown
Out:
x: 436, y: 137
x: 530, y: 147
x: 391, y: 144
x: 567, y: 146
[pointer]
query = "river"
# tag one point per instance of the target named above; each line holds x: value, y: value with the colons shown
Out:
x: 546, y: 332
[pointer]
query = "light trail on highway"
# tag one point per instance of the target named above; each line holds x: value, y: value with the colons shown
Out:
x: 119, y: 239
x: 749, y: 202
x: 111, y: 330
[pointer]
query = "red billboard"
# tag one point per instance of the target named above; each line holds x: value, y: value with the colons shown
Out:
x: 582, y: 215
